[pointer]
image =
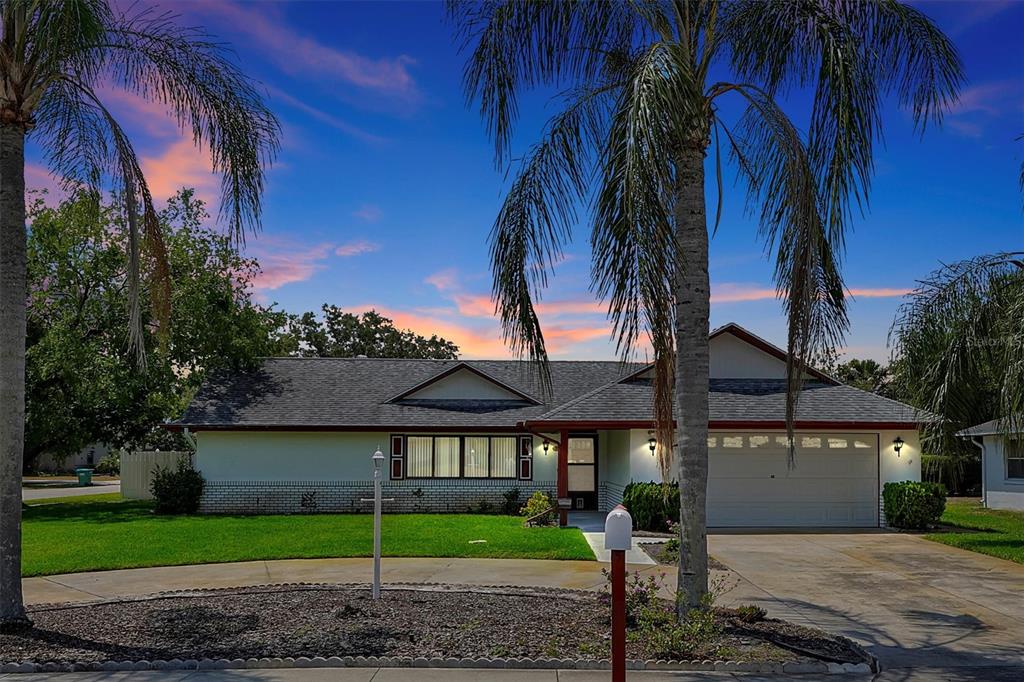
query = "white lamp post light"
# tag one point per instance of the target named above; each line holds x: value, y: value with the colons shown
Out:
x: 378, y: 467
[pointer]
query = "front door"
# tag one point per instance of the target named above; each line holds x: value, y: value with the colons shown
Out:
x: 583, y: 472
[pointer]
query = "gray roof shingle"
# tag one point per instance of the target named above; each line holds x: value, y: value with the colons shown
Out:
x: 355, y: 392
x: 741, y: 400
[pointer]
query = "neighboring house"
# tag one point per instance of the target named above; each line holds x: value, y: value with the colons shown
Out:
x: 298, y: 433
x: 1002, y: 463
x: 86, y: 457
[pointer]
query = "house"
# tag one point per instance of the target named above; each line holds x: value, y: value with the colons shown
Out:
x: 1002, y: 462
x: 298, y: 434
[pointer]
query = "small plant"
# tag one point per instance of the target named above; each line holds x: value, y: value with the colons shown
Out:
x: 641, y: 594
x: 177, y: 491
x: 109, y: 466
x: 653, y: 506
x: 510, y: 502
x: 539, y: 505
x: 913, y: 504
x: 670, y: 551
x: 750, y: 613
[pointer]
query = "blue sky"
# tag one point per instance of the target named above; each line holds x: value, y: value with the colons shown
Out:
x: 385, y: 188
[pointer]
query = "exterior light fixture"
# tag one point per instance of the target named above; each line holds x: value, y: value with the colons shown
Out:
x: 547, y: 446
x: 897, y: 445
x: 652, y: 442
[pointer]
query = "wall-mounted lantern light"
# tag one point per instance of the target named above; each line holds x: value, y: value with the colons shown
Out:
x: 652, y: 442
x: 547, y: 446
x: 897, y: 445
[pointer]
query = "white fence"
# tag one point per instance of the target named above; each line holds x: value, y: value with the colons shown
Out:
x: 137, y: 471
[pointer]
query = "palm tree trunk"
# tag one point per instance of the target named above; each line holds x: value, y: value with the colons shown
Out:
x: 13, y: 294
x: 692, y: 310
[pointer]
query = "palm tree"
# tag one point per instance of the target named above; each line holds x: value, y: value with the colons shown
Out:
x: 959, y: 348
x: 55, y: 58
x: 640, y: 88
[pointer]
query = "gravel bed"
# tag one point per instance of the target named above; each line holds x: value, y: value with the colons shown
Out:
x: 326, y: 621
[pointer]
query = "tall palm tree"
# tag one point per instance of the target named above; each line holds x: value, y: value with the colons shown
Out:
x: 640, y: 88
x: 56, y: 58
x: 958, y: 343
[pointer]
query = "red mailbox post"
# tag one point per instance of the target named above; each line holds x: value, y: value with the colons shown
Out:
x: 618, y: 538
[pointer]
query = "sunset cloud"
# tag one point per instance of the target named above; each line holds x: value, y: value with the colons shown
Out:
x: 444, y: 280
x: 181, y: 164
x: 368, y: 212
x: 324, y: 117
x: 300, y: 55
x: 356, y: 248
x: 285, y: 262
x: 740, y: 293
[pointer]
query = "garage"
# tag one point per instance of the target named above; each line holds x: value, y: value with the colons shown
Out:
x: 834, y: 483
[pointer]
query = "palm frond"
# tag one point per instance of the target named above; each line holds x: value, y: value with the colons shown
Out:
x: 783, y: 189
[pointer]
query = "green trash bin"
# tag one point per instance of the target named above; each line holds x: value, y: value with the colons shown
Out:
x: 84, y: 476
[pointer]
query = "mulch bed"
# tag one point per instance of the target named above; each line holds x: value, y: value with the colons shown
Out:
x: 294, y: 621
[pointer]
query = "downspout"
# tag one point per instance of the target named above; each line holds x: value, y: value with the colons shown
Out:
x: 980, y: 443
x: 188, y: 435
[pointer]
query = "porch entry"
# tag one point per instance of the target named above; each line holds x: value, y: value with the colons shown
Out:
x: 583, y: 471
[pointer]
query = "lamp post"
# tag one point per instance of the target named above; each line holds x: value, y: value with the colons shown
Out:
x: 378, y: 466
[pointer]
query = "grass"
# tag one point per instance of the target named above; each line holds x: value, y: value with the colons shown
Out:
x: 101, y: 535
x: 995, y: 532
x: 76, y: 499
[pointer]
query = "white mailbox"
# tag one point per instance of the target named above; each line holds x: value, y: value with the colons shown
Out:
x: 618, y: 529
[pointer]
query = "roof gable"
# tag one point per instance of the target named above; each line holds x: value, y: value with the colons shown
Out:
x: 463, y: 382
x: 737, y: 353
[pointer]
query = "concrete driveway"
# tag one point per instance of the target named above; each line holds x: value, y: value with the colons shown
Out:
x: 909, y: 601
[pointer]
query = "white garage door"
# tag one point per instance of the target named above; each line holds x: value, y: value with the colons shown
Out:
x: 835, y: 482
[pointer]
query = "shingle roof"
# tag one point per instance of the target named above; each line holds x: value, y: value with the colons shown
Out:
x: 354, y: 392
x: 739, y: 400
x: 324, y: 393
x: 995, y: 427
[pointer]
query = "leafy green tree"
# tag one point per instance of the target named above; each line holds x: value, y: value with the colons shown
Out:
x: 347, y: 335
x: 83, y: 384
x: 959, y: 348
x: 640, y: 106
x: 867, y: 375
x: 56, y: 59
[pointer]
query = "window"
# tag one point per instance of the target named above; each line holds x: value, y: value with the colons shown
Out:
x: 862, y: 443
x: 732, y: 441
x: 420, y: 457
x: 503, y: 457
x: 477, y: 453
x: 838, y: 443
x: 712, y: 442
x: 446, y: 457
x: 808, y: 442
x: 759, y: 441
x: 1014, y: 458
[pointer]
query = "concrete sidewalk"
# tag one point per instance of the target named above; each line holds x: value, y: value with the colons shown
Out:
x: 81, y: 587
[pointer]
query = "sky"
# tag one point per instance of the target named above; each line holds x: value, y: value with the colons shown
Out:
x: 385, y: 188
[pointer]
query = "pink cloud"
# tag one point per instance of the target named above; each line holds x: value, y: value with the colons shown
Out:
x: 880, y: 292
x: 182, y: 164
x: 298, y: 54
x: 356, y: 248
x: 368, y: 212
x: 444, y: 280
x: 38, y: 177
x: 741, y: 293
x: 985, y: 97
x: 284, y: 262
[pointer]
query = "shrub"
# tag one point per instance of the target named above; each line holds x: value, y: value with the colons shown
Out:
x: 109, y: 466
x: 913, y: 504
x: 510, y: 505
x: 177, y: 491
x: 750, y: 613
x: 652, y: 505
x: 539, y: 503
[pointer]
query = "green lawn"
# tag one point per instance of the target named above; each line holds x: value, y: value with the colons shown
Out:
x: 88, y: 536
x: 988, y: 531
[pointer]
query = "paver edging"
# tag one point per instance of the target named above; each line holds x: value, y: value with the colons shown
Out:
x: 775, y: 667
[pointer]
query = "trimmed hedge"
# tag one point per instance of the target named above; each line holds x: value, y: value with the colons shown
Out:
x: 652, y: 505
x: 177, y: 491
x: 913, y: 504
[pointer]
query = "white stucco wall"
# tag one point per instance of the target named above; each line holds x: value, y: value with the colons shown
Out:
x: 732, y: 358
x: 1000, y: 492
x: 309, y: 456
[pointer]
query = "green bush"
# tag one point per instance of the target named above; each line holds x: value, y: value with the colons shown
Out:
x: 539, y: 503
x: 510, y: 502
x: 653, y: 506
x: 913, y: 504
x: 177, y: 491
x: 109, y: 466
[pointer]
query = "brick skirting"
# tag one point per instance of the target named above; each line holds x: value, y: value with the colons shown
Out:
x: 410, y: 496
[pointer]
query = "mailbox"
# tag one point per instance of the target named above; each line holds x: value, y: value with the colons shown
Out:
x: 618, y: 529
